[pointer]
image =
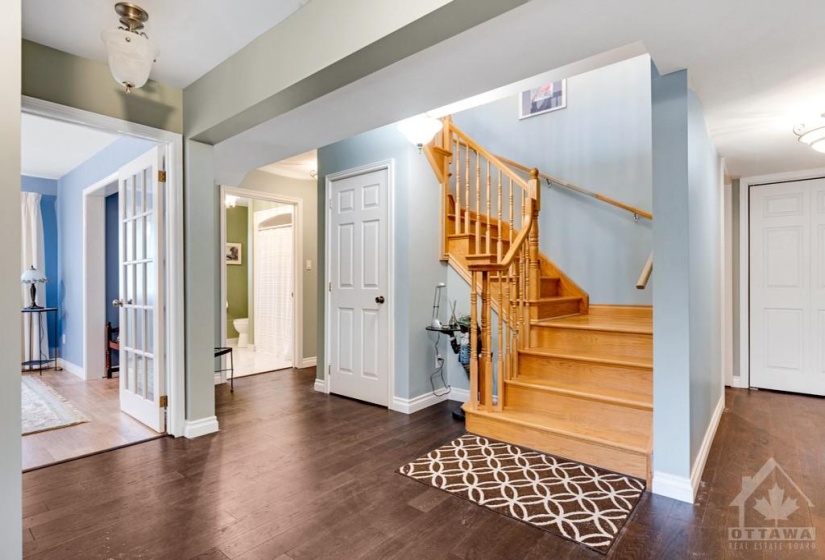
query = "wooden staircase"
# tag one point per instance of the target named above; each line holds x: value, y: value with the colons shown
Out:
x: 553, y: 373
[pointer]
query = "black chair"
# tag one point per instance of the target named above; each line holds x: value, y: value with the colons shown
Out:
x: 112, y: 349
x: 223, y: 351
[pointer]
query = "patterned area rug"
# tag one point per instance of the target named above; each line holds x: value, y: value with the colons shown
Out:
x: 45, y: 409
x: 581, y: 503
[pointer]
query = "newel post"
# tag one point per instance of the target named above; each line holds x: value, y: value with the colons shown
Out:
x: 535, y: 264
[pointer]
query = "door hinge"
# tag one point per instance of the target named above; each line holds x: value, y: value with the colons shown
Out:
x: 161, y: 176
x: 330, y: 203
x: 164, y: 401
x: 329, y: 369
x: 330, y: 286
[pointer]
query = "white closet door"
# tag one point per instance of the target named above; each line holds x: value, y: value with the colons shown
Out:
x: 787, y: 286
x: 274, y: 283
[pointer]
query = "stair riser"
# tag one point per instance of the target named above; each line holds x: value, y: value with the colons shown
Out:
x: 591, y: 342
x: 623, y: 311
x: 550, y: 287
x: 550, y: 309
x: 619, y: 460
x: 584, y: 412
x: 587, y: 373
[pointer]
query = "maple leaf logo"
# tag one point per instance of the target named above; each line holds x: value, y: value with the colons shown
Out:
x: 777, y: 507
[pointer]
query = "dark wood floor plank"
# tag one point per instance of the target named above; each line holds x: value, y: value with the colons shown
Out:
x: 297, y: 475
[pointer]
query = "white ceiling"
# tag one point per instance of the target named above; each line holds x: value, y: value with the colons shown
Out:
x: 193, y: 36
x: 50, y: 149
x: 756, y: 65
x: 302, y: 166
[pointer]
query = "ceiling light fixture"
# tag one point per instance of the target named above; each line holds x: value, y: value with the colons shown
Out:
x: 420, y: 130
x: 230, y: 201
x: 812, y: 135
x: 131, y: 54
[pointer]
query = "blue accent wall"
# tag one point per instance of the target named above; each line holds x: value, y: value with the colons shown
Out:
x: 112, y: 276
x: 48, y: 209
x: 70, y: 221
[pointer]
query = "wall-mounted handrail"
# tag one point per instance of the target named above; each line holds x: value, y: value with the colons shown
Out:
x: 644, y: 277
x: 637, y: 212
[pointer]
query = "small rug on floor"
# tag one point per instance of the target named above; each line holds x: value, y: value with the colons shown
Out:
x: 46, y: 409
x: 584, y: 504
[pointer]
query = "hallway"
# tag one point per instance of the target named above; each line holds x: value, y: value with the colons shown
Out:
x: 296, y: 474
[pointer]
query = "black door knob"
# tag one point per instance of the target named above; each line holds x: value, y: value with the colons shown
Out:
x: 379, y: 299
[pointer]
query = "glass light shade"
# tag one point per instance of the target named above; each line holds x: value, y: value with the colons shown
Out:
x: 420, y: 130
x: 32, y: 276
x: 130, y: 56
x: 819, y: 145
x: 813, y: 136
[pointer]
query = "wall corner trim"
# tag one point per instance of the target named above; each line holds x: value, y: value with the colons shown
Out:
x: 320, y: 386
x: 672, y: 486
x: 200, y: 427
x: 72, y: 368
x: 309, y: 362
x: 413, y: 405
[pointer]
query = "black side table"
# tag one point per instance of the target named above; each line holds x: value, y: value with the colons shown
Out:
x: 41, y: 362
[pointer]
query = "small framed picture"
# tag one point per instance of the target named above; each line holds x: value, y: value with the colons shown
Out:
x: 234, y: 255
x: 549, y: 97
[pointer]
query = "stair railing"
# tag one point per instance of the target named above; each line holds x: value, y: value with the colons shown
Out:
x: 495, y: 211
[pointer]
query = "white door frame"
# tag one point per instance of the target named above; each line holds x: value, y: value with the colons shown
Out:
x: 171, y: 146
x: 744, y: 379
x: 94, y: 275
x: 298, y: 240
x: 388, y: 165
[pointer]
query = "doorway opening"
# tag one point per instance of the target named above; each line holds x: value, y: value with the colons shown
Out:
x: 262, y: 311
x: 102, y: 216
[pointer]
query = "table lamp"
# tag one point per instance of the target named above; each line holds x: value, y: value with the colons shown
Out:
x: 33, y: 276
x: 436, y: 324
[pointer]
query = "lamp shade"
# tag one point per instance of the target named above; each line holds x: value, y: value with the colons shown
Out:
x: 32, y: 276
x: 420, y: 130
x: 130, y: 56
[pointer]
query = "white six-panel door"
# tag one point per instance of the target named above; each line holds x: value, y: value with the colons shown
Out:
x: 142, y: 380
x: 359, y: 281
x: 787, y: 286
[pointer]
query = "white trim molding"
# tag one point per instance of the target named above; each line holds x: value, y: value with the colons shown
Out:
x: 683, y: 488
x: 459, y: 395
x: 410, y: 406
x: 201, y: 427
x: 74, y: 369
x: 321, y: 386
x: 309, y: 362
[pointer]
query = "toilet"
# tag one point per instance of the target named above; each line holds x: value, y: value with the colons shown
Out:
x: 242, y: 326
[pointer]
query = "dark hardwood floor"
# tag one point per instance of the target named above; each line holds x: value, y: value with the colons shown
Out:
x: 295, y: 474
x: 98, y: 399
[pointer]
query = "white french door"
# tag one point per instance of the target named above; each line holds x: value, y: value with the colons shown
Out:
x: 142, y: 379
x: 787, y: 286
x: 359, y: 282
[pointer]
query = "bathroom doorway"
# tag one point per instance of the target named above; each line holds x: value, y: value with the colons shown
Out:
x: 261, y: 300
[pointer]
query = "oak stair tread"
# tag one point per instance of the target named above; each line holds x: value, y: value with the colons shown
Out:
x: 629, y: 325
x: 637, y: 363
x: 584, y: 391
x: 600, y: 435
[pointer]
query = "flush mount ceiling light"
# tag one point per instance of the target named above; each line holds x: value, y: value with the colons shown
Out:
x: 420, y: 130
x: 131, y: 54
x: 812, y: 135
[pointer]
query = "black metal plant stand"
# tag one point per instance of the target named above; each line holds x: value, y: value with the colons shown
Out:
x: 41, y: 361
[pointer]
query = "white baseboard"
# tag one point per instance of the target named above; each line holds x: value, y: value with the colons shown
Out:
x: 460, y: 395
x: 201, y: 427
x: 72, y: 368
x: 739, y: 383
x: 309, y: 362
x: 410, y: 406
x: 680, y: 487
x: 320, y: 385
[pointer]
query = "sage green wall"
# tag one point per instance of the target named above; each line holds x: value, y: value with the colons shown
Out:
x: 11, y: 527
x: 307, y: 192
x: 78, y: 82
x: 237, y: 276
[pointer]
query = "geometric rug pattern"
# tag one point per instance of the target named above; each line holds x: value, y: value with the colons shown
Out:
x: 44, y: 408
x: 584, y: 504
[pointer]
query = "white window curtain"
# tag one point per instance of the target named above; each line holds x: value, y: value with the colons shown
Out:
x: 33, y: 254
x: 274, y: 285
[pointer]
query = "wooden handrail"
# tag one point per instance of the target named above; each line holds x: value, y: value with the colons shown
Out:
x: 632, y: 209
x: 492, y: 158
x: 644, y: 277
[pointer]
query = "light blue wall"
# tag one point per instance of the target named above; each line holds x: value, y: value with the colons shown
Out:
x: 48, y: 210
x: 112, y: 258
x: 417, y: 251
x: 686, y: 303
x: 602, y: 142
x: 70, y: 221
x: 705, y: 206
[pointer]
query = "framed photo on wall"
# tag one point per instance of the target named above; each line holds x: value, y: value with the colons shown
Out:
x: 234, y: 255
x: 544, y: 99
